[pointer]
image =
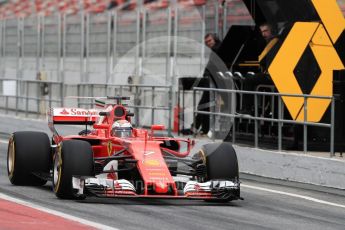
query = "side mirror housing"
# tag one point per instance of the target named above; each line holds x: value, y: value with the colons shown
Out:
x: 157, y: 127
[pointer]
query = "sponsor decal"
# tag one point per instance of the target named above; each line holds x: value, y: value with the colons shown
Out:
x: 64, y: 112
x: 147, y: 153
x: 82, y: 112
x: 110, y: 148
x: 99, y: 103
x: 159, y: 179
x: 157, y: 174
x: 197, y: 187
x: 151, y: 162
x: 75, y: 112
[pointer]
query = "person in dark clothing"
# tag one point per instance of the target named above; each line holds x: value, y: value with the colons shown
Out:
x: 214, y: 64
x: 251, y: 82
x: 267, y: 32
x: 202, y: 121
x: 212, y: 42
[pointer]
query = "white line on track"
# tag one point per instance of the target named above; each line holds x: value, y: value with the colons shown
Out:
x: 57, y: 213
x: 293, y: 195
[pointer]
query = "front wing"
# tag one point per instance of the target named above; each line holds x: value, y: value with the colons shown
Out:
x: 103, y: 187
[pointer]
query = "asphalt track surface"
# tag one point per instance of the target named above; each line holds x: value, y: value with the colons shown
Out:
x: 266, y: 206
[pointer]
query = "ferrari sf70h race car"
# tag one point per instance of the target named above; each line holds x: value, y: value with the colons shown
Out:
x: 113, y: 159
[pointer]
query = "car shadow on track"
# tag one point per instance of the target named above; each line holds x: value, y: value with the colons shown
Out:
x: 156, y: 201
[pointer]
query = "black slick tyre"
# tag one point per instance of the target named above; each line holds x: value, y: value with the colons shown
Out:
x: 72, y: 158
x: 221, y: 161
x: 221, y: 164
x: 28, y: 155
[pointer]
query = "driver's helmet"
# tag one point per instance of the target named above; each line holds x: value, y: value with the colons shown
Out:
x: 121, y: 128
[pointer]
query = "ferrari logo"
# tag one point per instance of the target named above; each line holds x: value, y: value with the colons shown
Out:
x: 320, y: 37
x: 110, y: 148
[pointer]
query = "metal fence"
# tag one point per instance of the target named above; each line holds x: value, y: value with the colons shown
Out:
x: 141, y: 47
x: 159, y: 45
x: 30, y: 97
x: 234, y: 116
x: 151, y: 103
x: 147, y: 101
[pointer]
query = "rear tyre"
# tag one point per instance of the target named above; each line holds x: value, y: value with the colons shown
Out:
x: 28, y: 155
x: 72, y: 158
x: 221, y: 164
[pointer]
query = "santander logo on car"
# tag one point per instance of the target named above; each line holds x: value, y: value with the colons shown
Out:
x: 76, y: 112
x: 83, y: 112
x: 64, y: 112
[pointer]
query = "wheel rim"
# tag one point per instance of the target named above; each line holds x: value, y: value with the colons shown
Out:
x: 57, y: 171
x: 11, y: 157
x: 202, y: 156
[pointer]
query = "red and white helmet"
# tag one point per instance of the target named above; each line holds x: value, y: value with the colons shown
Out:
x: 121, y: 128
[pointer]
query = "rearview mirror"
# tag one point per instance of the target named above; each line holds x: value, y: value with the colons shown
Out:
x: 157, y: 127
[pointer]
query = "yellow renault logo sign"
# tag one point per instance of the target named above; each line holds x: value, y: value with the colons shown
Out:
x: 331, y: 17
x: 320, y: 40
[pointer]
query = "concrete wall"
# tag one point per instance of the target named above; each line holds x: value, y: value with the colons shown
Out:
x: 292, y: 167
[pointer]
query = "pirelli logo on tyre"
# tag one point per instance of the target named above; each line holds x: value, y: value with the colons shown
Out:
x: 320, y: 37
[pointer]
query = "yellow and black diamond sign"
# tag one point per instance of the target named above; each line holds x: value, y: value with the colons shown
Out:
x: 319, y: 37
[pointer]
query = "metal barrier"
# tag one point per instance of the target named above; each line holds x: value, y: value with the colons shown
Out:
x: 280, y: 120
x: 143, y: 98
x: 100, y: 47
x: 30, y: 97
x: 35, y: 97
x: 106, y: 48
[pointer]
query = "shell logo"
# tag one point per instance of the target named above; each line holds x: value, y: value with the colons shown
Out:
x: 320, y: 37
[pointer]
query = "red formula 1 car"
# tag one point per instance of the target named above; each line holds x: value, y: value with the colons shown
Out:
x: 113, y: 159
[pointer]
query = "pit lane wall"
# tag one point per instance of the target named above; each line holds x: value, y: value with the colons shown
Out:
x: 284, y: 166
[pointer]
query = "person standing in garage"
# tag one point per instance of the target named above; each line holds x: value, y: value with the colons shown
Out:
x: 202, y: 121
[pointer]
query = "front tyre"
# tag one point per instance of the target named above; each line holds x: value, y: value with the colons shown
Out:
x: 72, y: 158
x: 28, y: 155
x: 221, y: 161
x: 221, y: 164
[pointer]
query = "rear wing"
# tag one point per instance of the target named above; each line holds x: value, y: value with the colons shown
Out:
x: 72, y: 116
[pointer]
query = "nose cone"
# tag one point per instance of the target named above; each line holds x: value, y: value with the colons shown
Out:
x: 161, y: 187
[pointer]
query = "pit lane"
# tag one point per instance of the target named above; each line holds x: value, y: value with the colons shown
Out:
x: 261, y: 209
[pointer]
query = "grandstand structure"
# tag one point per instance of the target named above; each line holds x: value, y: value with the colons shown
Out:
x: 98, y: 43
x: 25, y: 8
x: 107, y: 41
x: 72, y: 40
